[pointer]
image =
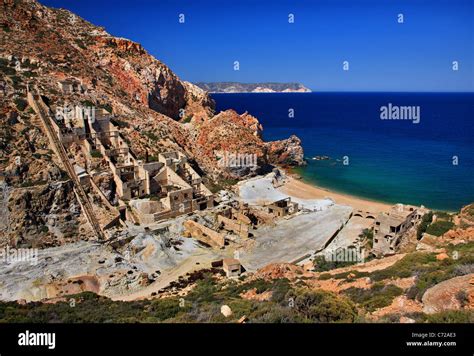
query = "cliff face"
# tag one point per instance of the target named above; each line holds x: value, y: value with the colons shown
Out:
x: 155, y: 109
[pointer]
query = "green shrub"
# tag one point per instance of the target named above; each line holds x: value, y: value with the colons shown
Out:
x: 29, y: 74
x: 322, y: 265
x: 425, y: 221
x: 323, y: 307
x: 187, y: 119
x: 469, y: 210
x: 275, y: 314
x: 87, y: 103
x: 450, y: 316
x: 325, y: 276
x: 151, y: 136
x: 442, y: 215
x: 378, y: 296
x: 8, y: 70
x: 439, y: 227
x: 204, y: 291
x: 96, y: 154
x: 162, y: 309
x: 406, y: 267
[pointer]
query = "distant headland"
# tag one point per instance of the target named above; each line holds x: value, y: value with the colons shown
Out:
x: 235, y: 87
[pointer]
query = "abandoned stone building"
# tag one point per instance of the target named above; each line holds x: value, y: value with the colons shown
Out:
x: 283, y: 207
x: 204, y: 234
x: 177, y: 187
x: 233, y: 220
x: 391, y: 226
x: 72, y: 85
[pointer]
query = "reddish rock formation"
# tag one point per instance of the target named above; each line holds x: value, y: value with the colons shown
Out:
x: 286, y: 152
x: 444, y: 295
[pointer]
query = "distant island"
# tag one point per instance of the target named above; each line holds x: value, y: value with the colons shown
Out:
x: 235, y: 87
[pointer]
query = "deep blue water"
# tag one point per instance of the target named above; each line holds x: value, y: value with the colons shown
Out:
x: 389, y: 160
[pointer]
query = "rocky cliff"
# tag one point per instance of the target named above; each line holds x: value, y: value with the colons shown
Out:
x: 155, y: 109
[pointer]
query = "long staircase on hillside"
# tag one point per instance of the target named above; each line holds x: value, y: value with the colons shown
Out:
x: 40, y: 108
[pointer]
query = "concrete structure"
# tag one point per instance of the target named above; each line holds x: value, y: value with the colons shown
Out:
x: 232, y: 267
x: 364, y: 214
x: 41, y: 109
x: 283, y: 207
x: 234, y: 225
x: 204, y: 234
x: 82, y: 174
x: 235, y: 221
x: 71, y: 85
x: 390, y: 227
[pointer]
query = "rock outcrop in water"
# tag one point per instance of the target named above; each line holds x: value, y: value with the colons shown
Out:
x: 286, y: 152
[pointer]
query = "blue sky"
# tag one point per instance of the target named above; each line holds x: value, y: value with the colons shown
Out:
x: 383, y: 55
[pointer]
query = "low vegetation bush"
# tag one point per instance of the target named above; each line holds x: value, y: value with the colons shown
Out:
x: 322, y: 265
x: 449, y: 316
x: 439, y: 227
x: 469, y: 210
x: 379, y: 296
x: 187, y: 119
x: 425, y: 221
x: 204, y: 291
x: 321, y: 307
x: 151, y: 136
x: 96, y: 154
x: 442, y: 215
x: 406, y: 267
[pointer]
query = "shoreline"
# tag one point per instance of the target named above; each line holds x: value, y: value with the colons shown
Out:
x: 301, y: 189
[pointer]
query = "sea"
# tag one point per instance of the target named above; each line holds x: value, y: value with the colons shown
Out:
x: 410, y: 148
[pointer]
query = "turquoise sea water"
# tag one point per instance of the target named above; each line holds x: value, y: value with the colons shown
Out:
x: 388, y: 160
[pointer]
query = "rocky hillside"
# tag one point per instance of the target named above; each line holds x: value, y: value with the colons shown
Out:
x: 235, y: 87
x: 156, y: 110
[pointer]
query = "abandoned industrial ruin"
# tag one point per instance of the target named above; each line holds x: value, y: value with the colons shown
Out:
x: 152, y: 191
x: 144, y: 192
x: 391, y: 226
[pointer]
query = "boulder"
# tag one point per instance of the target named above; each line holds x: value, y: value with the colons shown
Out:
x: 226, y: 311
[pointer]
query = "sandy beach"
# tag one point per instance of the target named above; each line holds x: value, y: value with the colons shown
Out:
x: 300, y: 189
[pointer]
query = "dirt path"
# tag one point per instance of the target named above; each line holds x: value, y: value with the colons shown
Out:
x: 371, y: 266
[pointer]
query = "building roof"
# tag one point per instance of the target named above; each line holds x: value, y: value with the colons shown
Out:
x: 397, y: 214
x: 230, y: 261
x: 79, y: 170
